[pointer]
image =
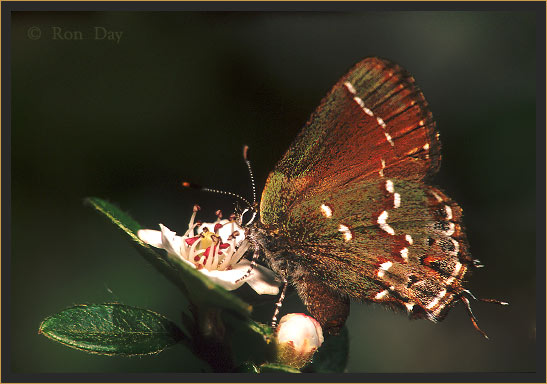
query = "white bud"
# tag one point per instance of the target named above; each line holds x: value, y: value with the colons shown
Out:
x: 298, y: 337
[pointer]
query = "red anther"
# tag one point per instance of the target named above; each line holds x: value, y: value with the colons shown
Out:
x: 217, y: 227
x: 199, y: 266
x: 235, y: 234
x: 224, y: 245
x: 196, y: 258
x: 233, y: 217
x: 246, y: 152
x: 219, y: 214
x: 196, y: 208
x: 191, y: 240
x: 186, y: 184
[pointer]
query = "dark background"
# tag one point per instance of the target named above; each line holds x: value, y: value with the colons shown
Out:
x: 177, y: 98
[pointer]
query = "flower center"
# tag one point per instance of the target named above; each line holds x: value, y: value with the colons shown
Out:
x: 214, y: 246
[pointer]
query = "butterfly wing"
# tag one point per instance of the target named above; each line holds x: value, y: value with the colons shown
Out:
x: 393, y: 241
x: 349, y: 197
x: 374, y: 121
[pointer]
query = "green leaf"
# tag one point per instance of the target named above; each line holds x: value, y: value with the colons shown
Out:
x: 247, y: 367
x: 258, y: 346
x: 277, y: 368
x: 333, y: 354
x: 112, y: 329
x: 263, y: 329
x: 197, y: 287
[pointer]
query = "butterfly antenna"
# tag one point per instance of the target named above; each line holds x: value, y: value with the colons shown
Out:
x: 248, y: 163
x: 187, y: 184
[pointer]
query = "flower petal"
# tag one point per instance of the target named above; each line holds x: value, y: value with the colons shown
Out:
x: 150, y: 237
x: 262, y: 280
x: 226, y: 279
x: 228, y: 228
x: 170, y: 241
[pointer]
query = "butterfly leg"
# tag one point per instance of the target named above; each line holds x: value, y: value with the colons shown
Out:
x: 279, y: 303
x: 329, y: 308
x: 253, y: 263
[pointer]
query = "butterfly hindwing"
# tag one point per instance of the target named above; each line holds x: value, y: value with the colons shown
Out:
x: 392, y: 241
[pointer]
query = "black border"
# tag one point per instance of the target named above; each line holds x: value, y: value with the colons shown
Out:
x: 272, y: 6
x: 503, y: 377
x: 529, y: 377
x: 540, y: 192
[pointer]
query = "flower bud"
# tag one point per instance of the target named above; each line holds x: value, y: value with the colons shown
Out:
x: 298, y: 337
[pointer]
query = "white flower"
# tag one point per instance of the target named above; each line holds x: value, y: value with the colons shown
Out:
x: 298, y: 337
x: 216, y: 250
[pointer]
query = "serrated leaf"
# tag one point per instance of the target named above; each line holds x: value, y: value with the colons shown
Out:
x: 197, y: 287
x: 333, y: 354
x: 112, y: 329
x: 277, y: 368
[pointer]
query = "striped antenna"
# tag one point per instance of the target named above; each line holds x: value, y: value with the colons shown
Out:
x: 248, y: 163
x: 187, y: 184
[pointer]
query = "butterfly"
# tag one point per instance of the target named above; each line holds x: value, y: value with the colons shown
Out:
x: 347, y: 212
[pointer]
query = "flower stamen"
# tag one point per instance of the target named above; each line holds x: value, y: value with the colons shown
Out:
x: 215, y: 249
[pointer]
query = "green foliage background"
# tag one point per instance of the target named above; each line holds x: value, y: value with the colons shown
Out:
x: 178, y: 97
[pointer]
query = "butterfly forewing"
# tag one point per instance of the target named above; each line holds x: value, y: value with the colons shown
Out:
x: 373, y: 121
x: 350, y: 199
